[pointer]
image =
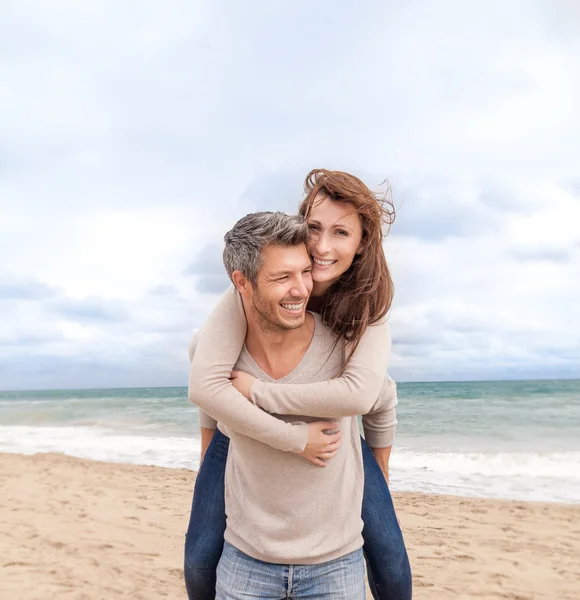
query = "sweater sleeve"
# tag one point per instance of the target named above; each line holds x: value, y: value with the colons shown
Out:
x: 205, y: 420
x: 380, y: 423
x: 213, y: 354
x: 353, y: 393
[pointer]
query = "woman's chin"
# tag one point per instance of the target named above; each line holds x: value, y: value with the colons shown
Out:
x: 321, y: 278
x: 326, y: 274
x: 322, y: 282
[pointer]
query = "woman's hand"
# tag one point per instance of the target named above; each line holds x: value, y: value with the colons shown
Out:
x: 322, y: 446
x: 242, y: 382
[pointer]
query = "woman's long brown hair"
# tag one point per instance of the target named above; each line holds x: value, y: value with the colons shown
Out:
x: 364, y: 293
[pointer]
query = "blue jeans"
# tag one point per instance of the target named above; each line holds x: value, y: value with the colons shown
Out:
x: 388, y: 568
x: 241, y: 577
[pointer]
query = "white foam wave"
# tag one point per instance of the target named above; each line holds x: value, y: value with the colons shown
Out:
x: 102, y: 444
x: 547, y: 477
x: 505, y: 464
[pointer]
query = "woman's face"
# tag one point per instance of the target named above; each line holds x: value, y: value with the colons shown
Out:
x: 335, y: 237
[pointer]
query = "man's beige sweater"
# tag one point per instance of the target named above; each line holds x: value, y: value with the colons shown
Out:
x: 280, y: 508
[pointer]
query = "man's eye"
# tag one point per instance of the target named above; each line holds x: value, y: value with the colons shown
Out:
x: 309, y: 270
x: 282, y: 278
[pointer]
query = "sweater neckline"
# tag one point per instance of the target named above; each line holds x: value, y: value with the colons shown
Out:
x: 263, y: 376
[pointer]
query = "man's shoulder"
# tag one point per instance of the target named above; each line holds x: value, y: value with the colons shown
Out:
x: 325, y: 337
x: 321, y: 328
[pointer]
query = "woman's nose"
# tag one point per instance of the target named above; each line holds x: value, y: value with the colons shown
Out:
x: 322, y: 245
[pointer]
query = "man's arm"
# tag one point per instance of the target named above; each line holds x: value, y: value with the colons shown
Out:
x: 382, y: 455
x: 206, y: 438
x: 380, y: 423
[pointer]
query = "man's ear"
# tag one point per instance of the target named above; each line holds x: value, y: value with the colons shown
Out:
x: 242, y: 283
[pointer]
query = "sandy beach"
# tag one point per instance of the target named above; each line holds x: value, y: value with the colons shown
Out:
x: 72, y: 528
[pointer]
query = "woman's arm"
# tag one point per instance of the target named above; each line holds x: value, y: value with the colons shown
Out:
x: 353, y: 393
x: 205, y: 421
x: 214, y: 352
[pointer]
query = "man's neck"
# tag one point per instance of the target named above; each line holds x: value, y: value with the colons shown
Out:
x: 278, y: 353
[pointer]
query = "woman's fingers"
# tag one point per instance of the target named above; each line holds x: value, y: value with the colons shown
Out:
x: 324, y: 439
x: 328, y: 454
x: 333, y: 438
x: 332, y: 447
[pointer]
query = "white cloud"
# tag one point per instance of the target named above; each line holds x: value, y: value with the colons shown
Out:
x: 131, y: 140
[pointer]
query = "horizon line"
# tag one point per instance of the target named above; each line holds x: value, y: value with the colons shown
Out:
x: 158, y: 387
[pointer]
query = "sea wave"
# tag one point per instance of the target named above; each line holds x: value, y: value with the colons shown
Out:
x: 545, y: 477
x: 102, y: 444
x: 508, y: 464
x: 552, y: 477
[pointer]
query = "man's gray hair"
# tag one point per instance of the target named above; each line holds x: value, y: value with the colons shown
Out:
x: 252, y: 233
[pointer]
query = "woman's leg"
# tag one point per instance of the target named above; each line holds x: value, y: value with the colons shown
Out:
x: 204, y: 539
x: 388, y: 568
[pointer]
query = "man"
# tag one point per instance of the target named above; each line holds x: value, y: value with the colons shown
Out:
x: 291, y: 526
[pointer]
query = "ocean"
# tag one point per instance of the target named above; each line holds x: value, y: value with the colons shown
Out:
x: 497, y: 439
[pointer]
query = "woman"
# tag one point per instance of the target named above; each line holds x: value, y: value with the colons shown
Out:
x: 352, y: 292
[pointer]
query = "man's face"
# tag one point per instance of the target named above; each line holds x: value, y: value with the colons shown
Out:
x: 282, y: 288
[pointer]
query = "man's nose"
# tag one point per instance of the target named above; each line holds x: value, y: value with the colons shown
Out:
x: 300, y: 289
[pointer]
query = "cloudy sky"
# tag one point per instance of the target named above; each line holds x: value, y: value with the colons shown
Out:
x: 132, y: 136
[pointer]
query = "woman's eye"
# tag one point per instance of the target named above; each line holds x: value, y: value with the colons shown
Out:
x: 341, y: 232
x: 313, y: 227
